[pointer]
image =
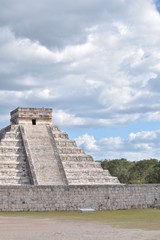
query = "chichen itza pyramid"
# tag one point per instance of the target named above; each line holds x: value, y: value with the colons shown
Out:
x: 34, y: 152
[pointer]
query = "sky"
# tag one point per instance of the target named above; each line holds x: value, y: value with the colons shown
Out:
x: 95, y: 62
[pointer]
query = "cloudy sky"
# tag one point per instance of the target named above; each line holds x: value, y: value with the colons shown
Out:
x: 95, y: 62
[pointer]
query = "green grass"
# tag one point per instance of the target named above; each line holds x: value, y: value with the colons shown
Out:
x: 148, y: 219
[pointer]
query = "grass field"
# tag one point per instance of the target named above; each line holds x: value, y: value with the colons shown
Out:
x: 147, y: 219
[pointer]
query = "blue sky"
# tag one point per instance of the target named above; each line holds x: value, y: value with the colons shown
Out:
x: 95, y: 62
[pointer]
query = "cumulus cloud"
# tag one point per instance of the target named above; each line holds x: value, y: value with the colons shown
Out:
x: 96, y: 63
x: 88, y: 142
x: 65, y: 119
x: 149, y: 136
x: 140, y: 145
x: 108, y: 72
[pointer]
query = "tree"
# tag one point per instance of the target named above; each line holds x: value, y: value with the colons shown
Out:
x: 119, y: 168
x: 139, y: 172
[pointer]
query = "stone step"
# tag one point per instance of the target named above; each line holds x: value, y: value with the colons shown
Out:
x: 96, y: 173
x: 12, y: 157
x: 5, y: 173
x: 38, y: 148
x: 76, y: 158
x: 38, y: 142
x: 35, y: 127
x: 81, y: 165
x: 70, y: 150
x: 10, y: 165
x: 14, y: 150
x: 14, y: 128
x: 13, y: 176
x: 65, y: 143
x: 38, y: 136
x: 50, y: 179
x: 60, y: 135
x: 88, y: 175
x: 13, y: 181
x: 12, y: 135
x: 92, y: 181
x: 35, y: 131
x: 84, y: 171
x: 42, y: 155
x: 11, y: 142
x: 13, y: 170
x: 49, y: 182
x: 46, y: 165
x: 55, y: 129
x: 110, y: 182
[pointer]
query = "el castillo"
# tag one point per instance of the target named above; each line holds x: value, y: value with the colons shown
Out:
x: 41, y: 169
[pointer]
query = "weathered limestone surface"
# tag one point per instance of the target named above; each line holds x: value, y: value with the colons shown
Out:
x: 51, y: 158
x: 41, y: 169
x: 80, y: 169
x: 106, y: 197
x: 43, y: 157
x: 26, y: 115
x: 13, y: 163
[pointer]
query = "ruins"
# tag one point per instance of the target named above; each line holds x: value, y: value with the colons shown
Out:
x: 42, y: 170
x: 35, y: 152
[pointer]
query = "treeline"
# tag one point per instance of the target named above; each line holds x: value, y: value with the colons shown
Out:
x: 137, y: 172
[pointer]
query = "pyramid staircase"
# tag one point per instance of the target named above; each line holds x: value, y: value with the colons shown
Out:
x: 46, y: 164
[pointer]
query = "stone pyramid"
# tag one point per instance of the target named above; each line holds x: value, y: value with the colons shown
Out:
x: 34, y: 152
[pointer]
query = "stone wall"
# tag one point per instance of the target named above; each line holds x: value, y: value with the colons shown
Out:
x: 112, y: 197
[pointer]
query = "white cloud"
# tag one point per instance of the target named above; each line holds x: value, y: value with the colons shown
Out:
x: 140, y: 145
x: 87, y: 142
x: 122, y: 28
x: 14, y: 95
x: 149, y: 135
x: 112, y: 141
x: 24, y: 49
x: 45, y: 94
x: 64, y: 118
x: 95, y: 62
x: 27, y: 81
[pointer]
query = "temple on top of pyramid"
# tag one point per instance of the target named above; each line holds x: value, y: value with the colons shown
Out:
x: 31, y: 116
x: 35, y: 152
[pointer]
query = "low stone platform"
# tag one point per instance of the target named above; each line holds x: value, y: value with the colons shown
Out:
x: 59, y: 198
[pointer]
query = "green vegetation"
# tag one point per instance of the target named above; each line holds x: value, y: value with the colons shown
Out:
x: 148, y: 219
x: 140, y: 172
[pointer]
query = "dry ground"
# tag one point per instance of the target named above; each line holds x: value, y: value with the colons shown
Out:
x: 81, y: 226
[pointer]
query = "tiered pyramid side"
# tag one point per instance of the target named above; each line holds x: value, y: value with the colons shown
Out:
x: 80, y: 169
x: 13, y: 163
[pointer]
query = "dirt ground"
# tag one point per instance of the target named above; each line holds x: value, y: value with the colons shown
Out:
x: 23, y: 228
